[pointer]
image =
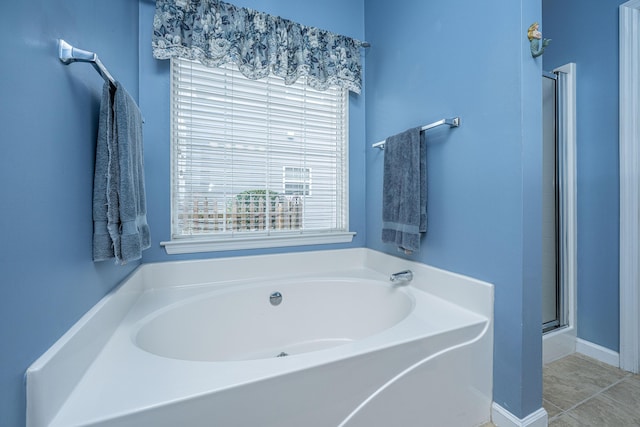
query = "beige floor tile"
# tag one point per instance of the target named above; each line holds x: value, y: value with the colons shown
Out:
x: 626, y: 392
x: 612, y: 369
x: 592, y: 371
x: 569, y: 381
x: 604, y: 412
x: 565, y: 391
x: 552, y: 410
x: 564, y: 420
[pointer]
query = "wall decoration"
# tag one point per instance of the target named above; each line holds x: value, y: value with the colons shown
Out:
x: 535, y: 37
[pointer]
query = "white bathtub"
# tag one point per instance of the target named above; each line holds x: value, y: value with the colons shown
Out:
x: 200, y: 344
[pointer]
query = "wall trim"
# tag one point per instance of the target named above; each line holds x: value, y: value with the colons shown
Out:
x: 598, y: 352
x: 503, y: 418
x: 214, y: 244
x: 629, y: 186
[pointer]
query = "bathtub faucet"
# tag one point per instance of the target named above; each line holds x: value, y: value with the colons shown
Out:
x: 402, y: 277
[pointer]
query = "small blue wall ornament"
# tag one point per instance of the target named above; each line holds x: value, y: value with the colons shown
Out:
x: 535, y: 37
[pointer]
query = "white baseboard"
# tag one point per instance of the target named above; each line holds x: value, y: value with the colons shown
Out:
x: 557, y: 345
x: 503, y: 418
x: 598, y: 352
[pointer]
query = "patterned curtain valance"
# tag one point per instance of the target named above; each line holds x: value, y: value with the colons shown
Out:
x: 214, y: 33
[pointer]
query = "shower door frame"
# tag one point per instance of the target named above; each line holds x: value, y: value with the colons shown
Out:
x: 629, y: 186
x: 561, y: 342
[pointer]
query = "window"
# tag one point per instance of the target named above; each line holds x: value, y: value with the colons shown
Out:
x: 243, y: 153
x: 296, y: 181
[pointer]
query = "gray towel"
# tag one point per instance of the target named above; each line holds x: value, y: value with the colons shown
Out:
x: 119, y: 191
x: 404, y: 190
x: 102, y: 245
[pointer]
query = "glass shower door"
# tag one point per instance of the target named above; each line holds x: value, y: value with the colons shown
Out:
x: 551, y: 292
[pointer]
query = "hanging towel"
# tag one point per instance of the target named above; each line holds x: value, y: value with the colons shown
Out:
x: 102, y: 245
x: 404, y: 190
x: 119, y: 189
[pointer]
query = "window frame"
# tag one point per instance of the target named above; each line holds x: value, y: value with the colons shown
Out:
x: 256, y: 239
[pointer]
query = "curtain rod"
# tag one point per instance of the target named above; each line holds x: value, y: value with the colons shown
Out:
x: 454, y: 122
x: 69, y: 54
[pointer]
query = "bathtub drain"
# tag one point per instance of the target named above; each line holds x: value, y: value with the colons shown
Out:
x: 282, y: 354
x: 275, y: 298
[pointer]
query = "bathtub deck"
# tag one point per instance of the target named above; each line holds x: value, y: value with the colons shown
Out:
x: 125, y: 379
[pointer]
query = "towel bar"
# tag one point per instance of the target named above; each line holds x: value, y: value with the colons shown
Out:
x: 69, y: 54
x: 454, y: 122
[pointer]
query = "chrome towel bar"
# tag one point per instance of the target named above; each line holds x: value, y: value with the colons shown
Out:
x: 69, y: 54
x: 454, y: 122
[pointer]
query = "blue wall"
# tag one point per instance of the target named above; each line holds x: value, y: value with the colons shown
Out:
x: 428, y: 60
x: 335, y: 15
x: 48, y: 117
x: 588, y: 36
x: 431, y: 60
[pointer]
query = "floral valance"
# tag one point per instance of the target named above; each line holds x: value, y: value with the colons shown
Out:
x: 214, y: 33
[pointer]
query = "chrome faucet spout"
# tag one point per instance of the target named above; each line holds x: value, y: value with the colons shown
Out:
x: 402, y: 277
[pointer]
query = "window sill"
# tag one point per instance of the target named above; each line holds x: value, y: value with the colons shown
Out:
x: 194, y: 245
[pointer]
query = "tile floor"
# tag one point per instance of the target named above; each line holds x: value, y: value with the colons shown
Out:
x: 580, y: 391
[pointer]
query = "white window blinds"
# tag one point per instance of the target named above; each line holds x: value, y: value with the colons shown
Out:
x: 254, y: 157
